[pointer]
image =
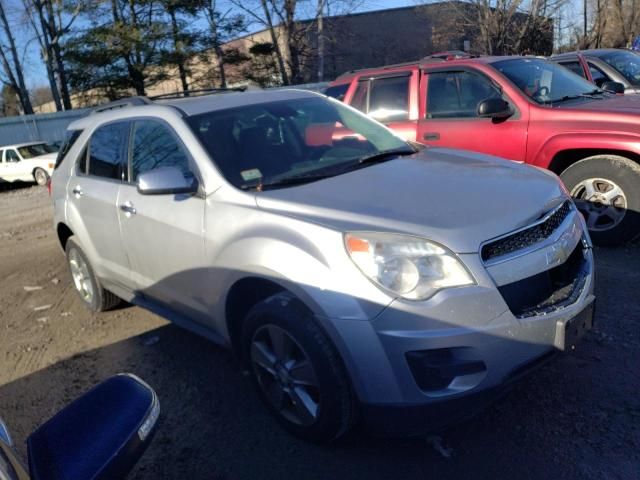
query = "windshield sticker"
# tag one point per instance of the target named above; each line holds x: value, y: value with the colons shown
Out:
x: 252, y: 174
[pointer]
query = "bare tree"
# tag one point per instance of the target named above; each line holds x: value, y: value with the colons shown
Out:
x: 51, y: 20
x: 223, y: 25
x: 11, y: 64
x: 263, y: 15
x: 615, y: 23
x: 509, y: 26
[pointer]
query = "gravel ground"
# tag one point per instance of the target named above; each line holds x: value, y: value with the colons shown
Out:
x: 578, y: 417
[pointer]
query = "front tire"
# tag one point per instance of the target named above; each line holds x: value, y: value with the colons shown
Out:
x: 40, y: 176
x: 606, y: 189
x: 297, y: 369
x: 87, y: 285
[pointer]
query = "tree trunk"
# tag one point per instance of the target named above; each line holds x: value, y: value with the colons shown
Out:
x: 217, y: 48
x: 292, y: 41
x: 221, y: 70
x: 175, y: 31
x: 56, y: 53
x: 35, y: 9
x: 320, y: 40
x: 19, y: 75
x: 276, y: 46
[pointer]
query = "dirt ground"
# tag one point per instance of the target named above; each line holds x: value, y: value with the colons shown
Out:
x: 576, y: 418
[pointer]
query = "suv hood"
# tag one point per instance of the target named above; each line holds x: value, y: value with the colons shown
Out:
x: 625, y: 104
x: 457, y: 198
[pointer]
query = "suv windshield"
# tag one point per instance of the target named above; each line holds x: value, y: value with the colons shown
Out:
x: 294, y: 141
x: 627, y: 63
x: 31, y: 151
x: 545, y: 82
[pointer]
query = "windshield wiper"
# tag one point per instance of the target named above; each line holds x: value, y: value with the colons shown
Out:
x: 334, y: 170
x: 385, y: 155
x: 580, y: 95
x: 285, y: 182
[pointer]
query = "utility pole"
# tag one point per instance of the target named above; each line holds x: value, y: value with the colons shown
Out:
x: 320, y: 41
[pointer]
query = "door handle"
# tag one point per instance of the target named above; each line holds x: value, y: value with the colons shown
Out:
x: 431, y: 136
x: 77, y: 191
x: 128, y: 209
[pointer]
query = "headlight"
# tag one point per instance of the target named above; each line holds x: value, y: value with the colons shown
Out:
x: 411, y: 267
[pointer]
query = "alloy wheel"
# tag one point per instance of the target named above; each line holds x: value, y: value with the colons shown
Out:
x: 80, y: 275
x: 602, y: 203
x: 285, y: 374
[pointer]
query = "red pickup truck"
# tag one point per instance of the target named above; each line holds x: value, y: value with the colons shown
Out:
x: 524, y: 109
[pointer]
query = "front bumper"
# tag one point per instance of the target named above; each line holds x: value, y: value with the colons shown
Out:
x: 476, y: 330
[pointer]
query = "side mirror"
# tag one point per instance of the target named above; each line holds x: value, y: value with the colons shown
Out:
x: 164, y: 181
x: 100, y: 435
x: 613, y: 87
x: 495, y: 108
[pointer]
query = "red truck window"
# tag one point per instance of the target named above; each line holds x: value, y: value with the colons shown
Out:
x: 389, y: 99
x: 457, y: 94
x: 385, y: 99
x: 575, y: 67
x: 360, y: 97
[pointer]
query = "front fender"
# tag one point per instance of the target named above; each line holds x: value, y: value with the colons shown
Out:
x: 330, y: 286
x: 322, y: 276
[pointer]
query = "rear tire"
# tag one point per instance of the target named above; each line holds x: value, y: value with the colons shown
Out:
x: 87, y: 285
x: 40, y: 176
x: 606, y: 189
x: 307, y: 390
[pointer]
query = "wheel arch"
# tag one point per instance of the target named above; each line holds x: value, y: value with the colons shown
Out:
x: 565, y: 158
x: 242, y: 296
x: 64, y: 233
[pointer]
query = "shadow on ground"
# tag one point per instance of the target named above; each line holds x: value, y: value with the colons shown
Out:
x: 577, y: 417
x: 9, y: 186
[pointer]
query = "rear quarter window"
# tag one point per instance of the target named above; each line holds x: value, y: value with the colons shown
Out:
x: 69, y: 140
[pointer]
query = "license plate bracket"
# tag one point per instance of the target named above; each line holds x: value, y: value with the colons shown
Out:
x: 570, y: 332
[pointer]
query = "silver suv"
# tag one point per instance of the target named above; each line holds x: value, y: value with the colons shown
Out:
x: 356, y: 276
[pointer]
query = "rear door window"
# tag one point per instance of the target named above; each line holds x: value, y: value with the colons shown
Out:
x: 361, y: 96
x: 385, y: 99
x: 389, y: 99
x: 107, y: 151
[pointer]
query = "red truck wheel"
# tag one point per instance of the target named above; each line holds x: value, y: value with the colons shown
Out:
x: 606, y: 189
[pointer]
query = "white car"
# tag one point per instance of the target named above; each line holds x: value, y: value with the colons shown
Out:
x: 27, y: 162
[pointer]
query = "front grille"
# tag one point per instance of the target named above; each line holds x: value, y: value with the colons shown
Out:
x: 549, y: 290
x: 527, y: 237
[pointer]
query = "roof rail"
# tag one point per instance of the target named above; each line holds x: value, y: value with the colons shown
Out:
x: 449, y: 55
x: 122, y: 103
x: 195, y: 93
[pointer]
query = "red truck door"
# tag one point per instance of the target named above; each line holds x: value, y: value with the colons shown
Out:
x: 449, y: 103
x: 391, y: 98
